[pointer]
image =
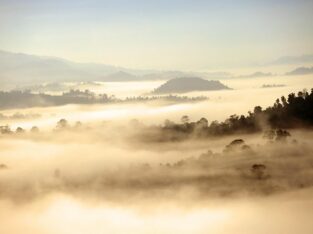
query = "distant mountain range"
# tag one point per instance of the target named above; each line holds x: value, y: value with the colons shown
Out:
x: 18, y: 68
x: 257, y: 75
x: 297, y: 71
x: 189, y: 84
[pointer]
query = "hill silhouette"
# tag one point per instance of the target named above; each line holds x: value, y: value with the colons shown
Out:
x: 300, y: 71
x: 189, y: 84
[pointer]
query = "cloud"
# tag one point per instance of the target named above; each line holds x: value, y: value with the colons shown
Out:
x: 118, y: 165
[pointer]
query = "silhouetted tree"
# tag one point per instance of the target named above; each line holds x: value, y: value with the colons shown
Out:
x: 185, y: 119
x: 5, y: 129
x: 281, y: 135
x: 34, y: 129
x: 62, y: 124
x: 234, y: 145
x: 258, y: 170
x: 20, y: 130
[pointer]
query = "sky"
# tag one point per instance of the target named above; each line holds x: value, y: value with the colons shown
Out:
x: 161, y: 34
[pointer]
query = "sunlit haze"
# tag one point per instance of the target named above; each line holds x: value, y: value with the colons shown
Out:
x: 139, y: 117
x: 176, y: 34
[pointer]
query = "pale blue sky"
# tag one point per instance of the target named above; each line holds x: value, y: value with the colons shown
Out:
x: 172, y: 34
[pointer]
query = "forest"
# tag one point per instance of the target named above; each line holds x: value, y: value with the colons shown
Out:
x: 26, y: 99
x: 295, y: 111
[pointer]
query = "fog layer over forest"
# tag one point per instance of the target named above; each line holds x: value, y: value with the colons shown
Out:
x: 103, y: 174
x: 58, y: 175
x: 246, y: 94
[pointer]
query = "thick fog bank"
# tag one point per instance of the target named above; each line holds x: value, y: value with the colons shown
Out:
x: 111, y: 163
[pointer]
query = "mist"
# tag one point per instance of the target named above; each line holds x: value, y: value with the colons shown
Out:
x: 106, y: 175
x: 218, y: 106
x: 117, y: 182
x: 156, y: 117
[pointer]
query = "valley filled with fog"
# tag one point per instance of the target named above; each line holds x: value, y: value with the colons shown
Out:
x: 115, y: 168
x: 156, y: 117
x: 244, y: 96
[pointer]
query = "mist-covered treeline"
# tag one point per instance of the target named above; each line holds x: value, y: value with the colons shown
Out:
x: 25, y: 99
x: 18, y: 115
x: 118, y: 162
x: 239, y: 169
x: 295, y: 111
x: 291, y: 112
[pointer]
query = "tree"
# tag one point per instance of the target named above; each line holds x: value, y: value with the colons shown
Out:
x: 20, y: 130
x: 203, y: 123
x: 234, y: 145
x: 62, y: 124
x: 5, y: 129
x: 281, y: 135
x: 284, y: 101
x: 185, y: 119
x: 258, y: 170
x: 78, y: 125
x: 34, y: 129
x: 257, y: 110
x: 168, y: 123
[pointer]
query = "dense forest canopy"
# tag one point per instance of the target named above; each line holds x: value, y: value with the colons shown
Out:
x: 295, y: 111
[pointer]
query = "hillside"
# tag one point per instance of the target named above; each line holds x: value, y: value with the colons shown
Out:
x: 189, y: 84
x: 301, y: 71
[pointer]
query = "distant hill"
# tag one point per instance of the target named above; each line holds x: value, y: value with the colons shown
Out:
x: 257, y: 75
x: 167, y: 75
x: 119, y: 76
x: 17, y: 68
x: 189, y: 84
x: 301, y: 71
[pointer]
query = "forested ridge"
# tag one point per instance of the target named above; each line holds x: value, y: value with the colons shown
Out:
x: 293, y: 111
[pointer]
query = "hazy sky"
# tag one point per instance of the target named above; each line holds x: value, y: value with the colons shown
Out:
x: 162, y: 34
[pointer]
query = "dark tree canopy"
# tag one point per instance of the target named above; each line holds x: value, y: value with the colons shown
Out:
x: 295, y: 111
